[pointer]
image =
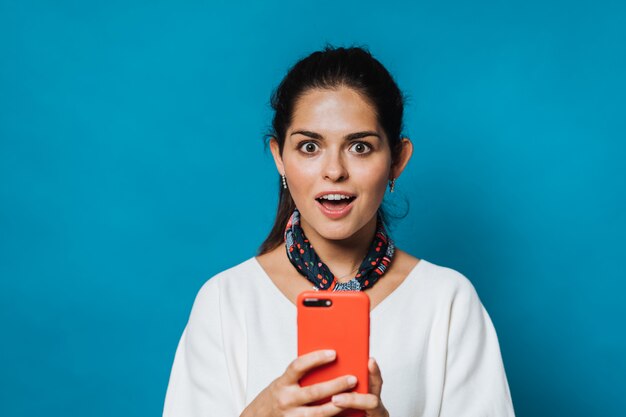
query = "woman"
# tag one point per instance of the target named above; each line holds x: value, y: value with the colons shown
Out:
x: 337, y: 145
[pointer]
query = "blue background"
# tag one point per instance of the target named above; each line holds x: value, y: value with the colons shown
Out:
x: 132, y: 168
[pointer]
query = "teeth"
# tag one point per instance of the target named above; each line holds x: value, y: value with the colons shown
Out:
x: 334, y: 197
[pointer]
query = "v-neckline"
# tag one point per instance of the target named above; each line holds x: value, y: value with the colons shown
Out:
x: 399, y: 289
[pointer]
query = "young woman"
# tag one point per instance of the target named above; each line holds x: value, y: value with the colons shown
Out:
x: 337, y: 146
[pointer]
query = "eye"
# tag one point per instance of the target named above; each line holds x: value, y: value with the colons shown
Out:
x: 308, y: 147
x: 360, y: 148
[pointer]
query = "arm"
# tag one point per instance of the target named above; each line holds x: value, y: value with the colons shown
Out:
x: 199, y: 383
x: 475, y: 381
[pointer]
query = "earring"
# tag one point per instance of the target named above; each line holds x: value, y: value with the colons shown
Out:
x: 284, y: 182
x: 392, y: 184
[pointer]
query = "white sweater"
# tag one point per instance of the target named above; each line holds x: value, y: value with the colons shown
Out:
x: 432, y: 338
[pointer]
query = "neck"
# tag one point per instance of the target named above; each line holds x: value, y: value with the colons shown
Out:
x: 344, y: 256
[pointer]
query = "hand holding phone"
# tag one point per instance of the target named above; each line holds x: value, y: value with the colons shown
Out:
x: 284, y: 396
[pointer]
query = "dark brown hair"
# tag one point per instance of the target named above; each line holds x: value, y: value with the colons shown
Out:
x: 331, y: 68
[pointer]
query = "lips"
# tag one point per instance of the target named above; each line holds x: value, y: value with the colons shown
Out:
x: 335, y: 204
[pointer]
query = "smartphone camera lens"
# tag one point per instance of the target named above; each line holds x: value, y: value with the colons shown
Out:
x: 317, y: 302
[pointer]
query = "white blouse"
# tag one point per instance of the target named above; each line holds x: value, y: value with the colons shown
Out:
x: 434, y: 342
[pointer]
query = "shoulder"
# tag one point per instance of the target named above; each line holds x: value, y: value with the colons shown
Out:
x: 440, y: 282
x: 446, y: 278
x: 236, y: 272
x: 235, y: 279
x: 453, y: 293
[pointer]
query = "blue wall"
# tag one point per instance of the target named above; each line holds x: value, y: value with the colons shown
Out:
x: 130, y: 130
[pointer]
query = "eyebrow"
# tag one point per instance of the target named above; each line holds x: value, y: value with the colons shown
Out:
x: 351, y: 136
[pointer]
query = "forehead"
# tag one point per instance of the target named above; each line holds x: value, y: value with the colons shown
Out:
x: 338, y: 110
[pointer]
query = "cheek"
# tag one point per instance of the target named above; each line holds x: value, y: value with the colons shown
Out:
x: 373, y: 178
x: 299, y: 176
x: 303, y: 171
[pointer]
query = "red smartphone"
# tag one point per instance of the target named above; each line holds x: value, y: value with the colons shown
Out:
x: 338, y: 320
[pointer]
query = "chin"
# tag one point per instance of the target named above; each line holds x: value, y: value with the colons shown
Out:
x: 339, y: 232
x: 337, y: 236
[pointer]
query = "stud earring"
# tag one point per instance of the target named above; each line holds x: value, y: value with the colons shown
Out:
x: 284, y: 182
x: 392, y: 184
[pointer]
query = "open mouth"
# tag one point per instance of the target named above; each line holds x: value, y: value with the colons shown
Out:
x: 335, y: 202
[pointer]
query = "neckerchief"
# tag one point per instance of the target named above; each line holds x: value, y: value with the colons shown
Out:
x: 303, y: 257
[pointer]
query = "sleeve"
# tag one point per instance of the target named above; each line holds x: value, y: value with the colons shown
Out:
x: 475, y: 382
x: 199, y: 380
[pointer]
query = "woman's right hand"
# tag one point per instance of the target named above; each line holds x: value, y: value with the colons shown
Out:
x: 284, y: 397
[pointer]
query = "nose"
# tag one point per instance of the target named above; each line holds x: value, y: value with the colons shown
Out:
x: 334, y: 167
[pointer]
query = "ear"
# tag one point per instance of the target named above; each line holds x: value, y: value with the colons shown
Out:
x: 403, y: 158
x: 278, y: 160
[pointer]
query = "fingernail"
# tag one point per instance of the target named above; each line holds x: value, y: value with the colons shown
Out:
x: 352, y: 380
x: 330, y: 353
x: 338, y: 400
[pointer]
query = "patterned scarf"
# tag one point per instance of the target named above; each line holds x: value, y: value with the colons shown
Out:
x: 303, y: 257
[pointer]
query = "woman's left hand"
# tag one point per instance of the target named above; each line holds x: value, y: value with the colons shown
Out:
x: 370, y: 403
